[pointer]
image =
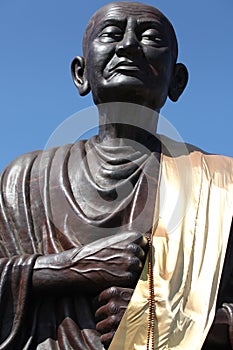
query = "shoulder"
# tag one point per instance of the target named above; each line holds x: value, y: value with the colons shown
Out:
x: 17, y: 169
x: 34, y: 164
x: 20, y: 170
x: 194, y: 159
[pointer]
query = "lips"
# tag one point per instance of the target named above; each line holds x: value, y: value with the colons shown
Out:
x: 124, y: 65
x: 121, y: 66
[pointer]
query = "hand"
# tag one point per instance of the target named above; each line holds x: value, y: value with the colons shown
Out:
x: 114, y: 302
x: 116, y: 260
x: 113, y: 261
x: 220, y: 335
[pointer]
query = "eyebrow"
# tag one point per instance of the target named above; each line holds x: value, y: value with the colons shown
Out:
x: 111, y: 21
x: 150, y: 22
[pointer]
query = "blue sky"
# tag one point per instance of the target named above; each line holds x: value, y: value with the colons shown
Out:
x: 38, y: 40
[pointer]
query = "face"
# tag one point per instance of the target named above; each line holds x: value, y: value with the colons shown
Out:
x: 129, y: 56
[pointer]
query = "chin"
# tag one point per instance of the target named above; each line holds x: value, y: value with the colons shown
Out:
x: 124, y: 89
x: 127, y: 88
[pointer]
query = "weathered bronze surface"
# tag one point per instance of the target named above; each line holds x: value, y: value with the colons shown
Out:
x: 71, y: 247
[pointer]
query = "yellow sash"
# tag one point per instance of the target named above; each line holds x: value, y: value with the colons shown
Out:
x: 194, y: 212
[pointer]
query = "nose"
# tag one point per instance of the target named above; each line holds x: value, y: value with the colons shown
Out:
x: 129, y: 45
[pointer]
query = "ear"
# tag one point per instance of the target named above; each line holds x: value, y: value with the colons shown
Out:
x: 178, y: 82
x: 79, y: 75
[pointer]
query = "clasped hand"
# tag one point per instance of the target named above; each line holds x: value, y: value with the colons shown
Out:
x: 108, y: 267
x: 113, y: 261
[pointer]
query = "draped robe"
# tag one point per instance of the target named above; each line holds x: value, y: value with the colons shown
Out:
x: 55, y: 200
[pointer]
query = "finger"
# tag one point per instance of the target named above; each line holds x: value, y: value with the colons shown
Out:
x: 101, y: 314
x: 112, y: 308
x: 134, y: 264
x: 106, y: 339
x: 108, y: 294
x: 136, y: 250
x: 109, y: 324
x: 117, y: 294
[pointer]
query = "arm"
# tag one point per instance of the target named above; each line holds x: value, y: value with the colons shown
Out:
x: 116, y: 261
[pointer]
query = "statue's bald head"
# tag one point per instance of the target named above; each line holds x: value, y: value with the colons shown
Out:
x: 130, y: 47
x: 135, y: 8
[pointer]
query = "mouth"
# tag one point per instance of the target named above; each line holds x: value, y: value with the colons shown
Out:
x: 125, y: 66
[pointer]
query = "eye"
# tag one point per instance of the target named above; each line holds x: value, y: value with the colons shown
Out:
x: 110, y: 34
x: 151, y: 37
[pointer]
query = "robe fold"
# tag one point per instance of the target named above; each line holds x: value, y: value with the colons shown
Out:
x: 55, y: 200
x: 72, y: 195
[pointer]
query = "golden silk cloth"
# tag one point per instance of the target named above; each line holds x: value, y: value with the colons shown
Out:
x: 191, y: 227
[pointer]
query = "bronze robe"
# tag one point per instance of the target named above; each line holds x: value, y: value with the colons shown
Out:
x: 55, y: 200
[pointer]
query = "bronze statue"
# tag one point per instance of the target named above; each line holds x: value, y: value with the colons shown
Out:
x: 83, y: 226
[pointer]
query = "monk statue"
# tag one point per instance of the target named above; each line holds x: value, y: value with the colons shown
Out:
x: 122, y: 241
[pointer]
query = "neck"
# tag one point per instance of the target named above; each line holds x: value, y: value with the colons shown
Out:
x: 119, y: 122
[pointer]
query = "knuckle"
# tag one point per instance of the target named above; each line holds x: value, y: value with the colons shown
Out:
x: 134, y: 263
x: 112, y: 321
x: 130, y: 278
x: 108, y: 294
x: 136, y: 250
x: 112, y: 291
x: 113, y: 308
x: 133, y: 248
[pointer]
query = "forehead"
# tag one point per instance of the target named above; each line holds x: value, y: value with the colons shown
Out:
x: 121, y: 12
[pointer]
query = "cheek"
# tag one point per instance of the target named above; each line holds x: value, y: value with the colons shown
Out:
x: 159, y: 60
x: 155, y: 70
x: 99, y: 56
